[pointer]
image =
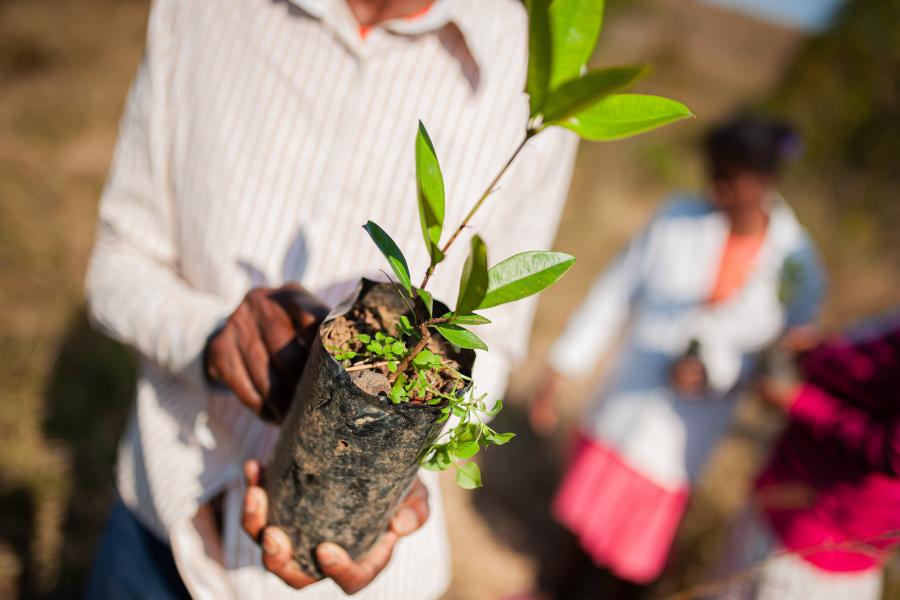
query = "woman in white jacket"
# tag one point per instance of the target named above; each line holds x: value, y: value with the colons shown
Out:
x: 709, y: 282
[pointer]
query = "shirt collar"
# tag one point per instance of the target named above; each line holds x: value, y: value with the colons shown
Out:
x: 461, y: 13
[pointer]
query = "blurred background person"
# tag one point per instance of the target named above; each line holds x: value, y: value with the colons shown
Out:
x: 826, y: 508
x: 701, y: 290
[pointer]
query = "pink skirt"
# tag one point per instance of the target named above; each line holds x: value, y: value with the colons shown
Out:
x: 624, y: 522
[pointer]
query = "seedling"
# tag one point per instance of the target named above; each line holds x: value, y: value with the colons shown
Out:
x: 391, y: 364
x: 562, y: 92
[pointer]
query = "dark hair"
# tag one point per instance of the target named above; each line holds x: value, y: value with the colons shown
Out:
x: 750, y: 142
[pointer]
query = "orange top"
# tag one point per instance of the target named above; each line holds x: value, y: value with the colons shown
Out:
x: 738, y: 260
x: 365, y: 29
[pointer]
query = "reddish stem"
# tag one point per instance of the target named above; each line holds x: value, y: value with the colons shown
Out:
x: 420, y: 345
x: 487, y: 192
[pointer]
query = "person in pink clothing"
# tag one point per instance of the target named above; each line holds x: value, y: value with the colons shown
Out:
x: 826, y: 507
x: 693, y: 298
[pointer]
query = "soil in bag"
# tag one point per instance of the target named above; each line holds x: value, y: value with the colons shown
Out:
x: 347, y: 455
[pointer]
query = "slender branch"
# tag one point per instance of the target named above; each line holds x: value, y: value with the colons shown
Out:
x: 423, y: 340
x: 365, y: 366
x: 420, y: 345
x: 428, y: 274
x: 530, y: 133
x: 487, y: 192
x: 423, y: 326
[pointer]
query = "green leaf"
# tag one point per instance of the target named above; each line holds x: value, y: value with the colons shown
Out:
x: 467, y: 432
x: 398, y: 348
x: 464, y: 450
x: 578, y: 94
x: 574, y: 26
x: 468, y: 319
x: 430, y: 184
x: 405, y: 327
x: 364, y: 338
x: 427, y: 300
x: 460, y: 337
x: 474, y: 280
x: 524, y: 274
x: 468, y: 476
x: 624, y: 115
x: 499, y: 439
x: 495, y: 409
x: 438, y: 459
x: 426, y: 359
x: 539, y: 53
x: 391, y: 252
x: 398, y: 393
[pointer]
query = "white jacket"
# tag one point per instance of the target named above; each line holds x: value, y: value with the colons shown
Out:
x: 660, y: 284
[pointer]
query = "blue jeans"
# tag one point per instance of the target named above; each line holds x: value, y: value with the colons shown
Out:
x: 132, y: 563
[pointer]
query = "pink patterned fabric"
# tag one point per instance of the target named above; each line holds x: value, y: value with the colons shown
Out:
x: 624, y: 521
x: 843, y: 448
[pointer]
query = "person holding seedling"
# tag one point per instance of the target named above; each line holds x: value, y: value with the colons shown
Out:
x: 712, y: 280
x: 258, y: 139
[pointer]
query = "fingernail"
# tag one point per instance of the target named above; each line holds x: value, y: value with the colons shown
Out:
x: 270, y: 546
x: 405, y: 521
x: 327, y: 556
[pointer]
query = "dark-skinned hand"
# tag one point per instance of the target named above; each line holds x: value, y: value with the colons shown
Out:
x: 333, y: 560
x: 688, y: 376
x: 261, y: 350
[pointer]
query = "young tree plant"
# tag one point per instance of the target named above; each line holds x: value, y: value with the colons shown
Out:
x: 562, y: 92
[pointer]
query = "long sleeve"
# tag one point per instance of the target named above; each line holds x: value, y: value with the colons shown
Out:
x: 593, y: 327
x: 134, y: 288
x: 874, y: 439
x: 802, y: 285
x: 853, y: 396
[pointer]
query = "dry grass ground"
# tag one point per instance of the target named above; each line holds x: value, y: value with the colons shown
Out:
x: 64, y: 71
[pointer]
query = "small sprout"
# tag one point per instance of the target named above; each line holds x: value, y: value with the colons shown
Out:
x: 469, y: 436
x: 398, y: 392
x: 468, y: 476
x: 495, y: 409
x: 406, y: 328
x: 466, y: 449
x: 426, y: 359
x: 498, y: 439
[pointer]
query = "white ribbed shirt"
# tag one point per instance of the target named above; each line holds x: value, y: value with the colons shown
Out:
x: 258, y: 136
